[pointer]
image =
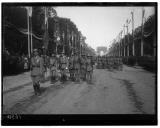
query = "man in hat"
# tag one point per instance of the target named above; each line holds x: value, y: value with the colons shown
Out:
x: 89, y: 69
x: 83, y: 66
x: 53, y: 67
x: 36, y: 71
x: 63, y: 65
x: 77, y: 66
x: 71, y: 67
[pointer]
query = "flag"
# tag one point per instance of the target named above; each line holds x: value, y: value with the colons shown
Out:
x: 143, y: 12
x: 29, y: 10
x: 46, y: 15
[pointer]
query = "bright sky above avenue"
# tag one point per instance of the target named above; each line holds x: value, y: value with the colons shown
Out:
x: 100, y: 25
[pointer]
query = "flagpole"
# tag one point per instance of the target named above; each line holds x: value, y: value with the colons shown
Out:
x: 142, y: 33
x: 28, y: 34
x: 31, y: 35
x: 124, y: 41
x: 133, y: 47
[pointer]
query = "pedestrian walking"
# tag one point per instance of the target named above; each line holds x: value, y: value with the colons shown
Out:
x: 71, y: 67
x: 63, y: 63
x: 53, y: 68
x: 83, y: 67
x: 36, y: 71
x: 77, y: 66
x: 89, y: 69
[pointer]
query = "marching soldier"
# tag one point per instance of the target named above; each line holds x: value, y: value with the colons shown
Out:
x: 83, y: 67
x: 104, y: 62
x: 63, y: 63
x: 99, y: 62
x: 121, y: 63
x: 44, y: 57
x: 36, y: 71
x: 71, y: 67
x: 53, y: 68
x: 89, y: 69
x: 77, y: 67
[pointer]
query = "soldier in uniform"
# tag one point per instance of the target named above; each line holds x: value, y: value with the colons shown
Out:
x: 63, y: 63
x: 71, y: 67
x: 104, y: 62
x: 53, y: 67
x: 89, y: 69
x: 44, y: 57
x: 99, y: 62
x: 83, y: 66
x: 36, y: 71
x: 121, y: 63
x: 77, y: 67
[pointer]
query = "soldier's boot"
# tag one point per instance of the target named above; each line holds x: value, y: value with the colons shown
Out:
x: 62, y: 77
x: 51, y: 79
x: 72, y: 76
x: 84, y: 76
x: 38, y: 88
x: 78, y: 77
x: 35, y: 89
x: 91, y: 78
x: 75, y: 78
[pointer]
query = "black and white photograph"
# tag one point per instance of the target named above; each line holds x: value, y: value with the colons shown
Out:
x: 77, y: 61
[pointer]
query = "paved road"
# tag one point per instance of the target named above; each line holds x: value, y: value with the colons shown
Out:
x: 131, y: 91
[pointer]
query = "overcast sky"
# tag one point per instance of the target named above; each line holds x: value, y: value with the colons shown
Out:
x: 100, y: 25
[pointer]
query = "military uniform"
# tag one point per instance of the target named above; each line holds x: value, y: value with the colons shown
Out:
x: 89, y: 69
x: 53, y: 68
x: 36, y: 72
x: 104, y: 62
x: 83, y: 67
x: 63, y: 62
x: 71, y: 67
x: 99, y: 62
x: 121, y: 63
x: 44, y: 58
x: 77, y: 67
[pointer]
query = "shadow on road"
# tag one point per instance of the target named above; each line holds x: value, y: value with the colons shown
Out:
x: 132, y: 95
x: 21, y: 106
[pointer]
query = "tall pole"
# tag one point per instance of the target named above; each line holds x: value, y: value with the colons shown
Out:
x: 142, y: 40
x: 29, y: 50
x: 121, y: 42
x: 127, y: 38
x: 124, y: 40
x: 31, y: 36
x: 133, y: 47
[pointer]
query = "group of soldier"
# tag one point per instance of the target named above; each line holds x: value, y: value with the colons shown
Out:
x: 79, y: 67
x: 109, y: 62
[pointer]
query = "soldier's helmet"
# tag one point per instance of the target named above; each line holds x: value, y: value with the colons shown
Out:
x: 88, y: 55
x: 72, y: 54
x: 76, y: 52
x: 35, y: 50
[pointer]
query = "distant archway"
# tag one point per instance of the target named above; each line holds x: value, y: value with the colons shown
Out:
x: 101, y: 50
